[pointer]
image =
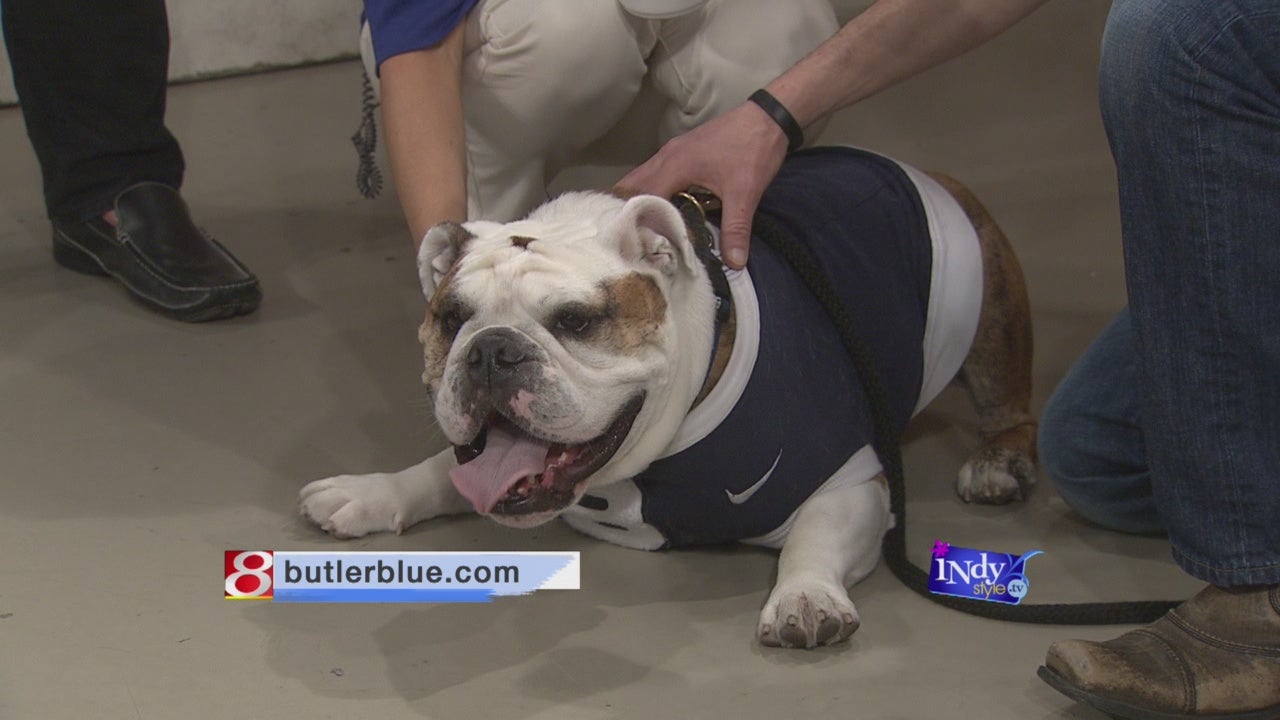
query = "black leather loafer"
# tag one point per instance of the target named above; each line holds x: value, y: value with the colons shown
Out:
x: 160, y: 256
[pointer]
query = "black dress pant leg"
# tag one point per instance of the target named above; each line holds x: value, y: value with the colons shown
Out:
x: 91, y: 77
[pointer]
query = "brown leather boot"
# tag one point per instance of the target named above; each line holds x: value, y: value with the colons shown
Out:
x: 1215, y: 656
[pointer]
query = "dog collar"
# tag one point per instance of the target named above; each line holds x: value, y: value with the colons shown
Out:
x: 694, y: 204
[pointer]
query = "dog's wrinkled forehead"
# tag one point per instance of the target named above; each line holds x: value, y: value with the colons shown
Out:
x: 529, y: 260
x: 578, y: 236
x: 521, y: 233
x: 499, y: 252
x: 515, y: 249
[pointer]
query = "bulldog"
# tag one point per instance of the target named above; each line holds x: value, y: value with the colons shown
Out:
x: 594, y: 362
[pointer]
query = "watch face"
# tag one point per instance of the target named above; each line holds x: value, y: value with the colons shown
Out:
x: 658, y: 9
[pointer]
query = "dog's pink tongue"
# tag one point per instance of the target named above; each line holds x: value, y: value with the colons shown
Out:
x: 506, y: 458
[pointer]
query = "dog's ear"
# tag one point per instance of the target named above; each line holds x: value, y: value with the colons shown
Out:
x: 441, y: 247
x: 649, y: 229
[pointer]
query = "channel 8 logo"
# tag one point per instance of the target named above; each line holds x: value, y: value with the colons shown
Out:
x: 249, y: 574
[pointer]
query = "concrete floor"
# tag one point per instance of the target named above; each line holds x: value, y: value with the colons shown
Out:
x: 135, y: 450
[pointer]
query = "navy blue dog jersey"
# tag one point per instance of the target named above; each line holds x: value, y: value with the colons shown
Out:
x: 789, y: 413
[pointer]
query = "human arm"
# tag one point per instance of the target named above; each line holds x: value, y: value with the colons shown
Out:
x: 426, y: 141
x: 737, y: 154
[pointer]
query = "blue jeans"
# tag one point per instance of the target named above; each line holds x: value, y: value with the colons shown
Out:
x: 1171, y: 421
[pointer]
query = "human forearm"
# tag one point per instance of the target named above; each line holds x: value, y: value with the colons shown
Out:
x: 890, y: 42
x: 423, y: 121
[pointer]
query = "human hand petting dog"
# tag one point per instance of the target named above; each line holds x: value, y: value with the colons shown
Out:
x: 734, y: 156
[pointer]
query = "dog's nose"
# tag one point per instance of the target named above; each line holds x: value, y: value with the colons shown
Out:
x: 494, y: 356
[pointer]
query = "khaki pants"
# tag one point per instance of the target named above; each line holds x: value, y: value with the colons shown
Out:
x: 543, y: 79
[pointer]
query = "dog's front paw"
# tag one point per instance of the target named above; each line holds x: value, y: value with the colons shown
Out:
x: 351, y: 506
x: 805, y: 615
x: 995, y: 476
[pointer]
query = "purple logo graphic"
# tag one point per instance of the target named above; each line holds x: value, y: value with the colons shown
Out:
x: 940, y: 549
x: 979, y: 574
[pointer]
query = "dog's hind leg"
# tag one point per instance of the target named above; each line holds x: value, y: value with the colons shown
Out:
x: 997, y: 371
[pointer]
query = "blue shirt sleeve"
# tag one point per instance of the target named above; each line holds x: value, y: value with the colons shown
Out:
x: 401, y: 26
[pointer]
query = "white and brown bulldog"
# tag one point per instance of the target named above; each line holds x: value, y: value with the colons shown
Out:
x: 584, y: 365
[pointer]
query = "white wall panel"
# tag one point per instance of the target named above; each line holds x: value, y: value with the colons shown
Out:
x: 217, y: 37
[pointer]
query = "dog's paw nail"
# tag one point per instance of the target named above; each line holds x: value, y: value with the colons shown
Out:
x: 793, y: 621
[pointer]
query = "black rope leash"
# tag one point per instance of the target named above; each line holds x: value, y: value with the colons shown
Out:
x: 368, y: 176
x: 886, y: 445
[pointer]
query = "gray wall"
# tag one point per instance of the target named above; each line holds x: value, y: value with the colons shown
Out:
x: 217, y: 37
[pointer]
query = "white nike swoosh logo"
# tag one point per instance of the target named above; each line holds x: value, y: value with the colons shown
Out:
x: 745, y: 495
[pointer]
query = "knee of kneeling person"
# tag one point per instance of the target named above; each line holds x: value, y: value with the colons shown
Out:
x: 1154, y: 53
x: 1104, y: 490
x: 580, y: 46
x: 1062, y: 442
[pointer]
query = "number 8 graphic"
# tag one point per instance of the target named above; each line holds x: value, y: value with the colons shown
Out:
x: 260, y: 574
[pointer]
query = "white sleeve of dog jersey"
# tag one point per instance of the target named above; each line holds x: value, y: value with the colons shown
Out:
x: 955, y: 288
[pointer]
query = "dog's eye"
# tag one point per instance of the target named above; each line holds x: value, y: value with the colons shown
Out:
x: 451, y: 321
x: 574, y: 323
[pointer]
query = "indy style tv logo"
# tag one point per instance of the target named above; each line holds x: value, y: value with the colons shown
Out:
x: 979, y: 574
